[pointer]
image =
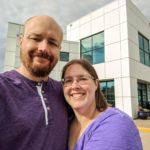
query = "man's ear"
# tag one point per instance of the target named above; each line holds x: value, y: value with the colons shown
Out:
x: 60, y: 47
x: 20, y: 40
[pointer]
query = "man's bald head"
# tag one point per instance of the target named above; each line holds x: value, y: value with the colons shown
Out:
x: 44, y: 19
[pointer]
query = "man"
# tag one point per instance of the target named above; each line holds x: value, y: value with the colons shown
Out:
x: 32, y: 108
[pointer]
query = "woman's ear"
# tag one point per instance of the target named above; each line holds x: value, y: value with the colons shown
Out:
x: 96, y: 83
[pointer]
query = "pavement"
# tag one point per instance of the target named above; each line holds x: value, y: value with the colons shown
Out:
x: 144, y: 129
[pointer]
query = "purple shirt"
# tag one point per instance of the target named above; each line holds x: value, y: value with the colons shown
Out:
x: 31, y: 119
x: 113, y: 130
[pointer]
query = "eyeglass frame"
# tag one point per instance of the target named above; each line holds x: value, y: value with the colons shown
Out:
x: 80, y: 80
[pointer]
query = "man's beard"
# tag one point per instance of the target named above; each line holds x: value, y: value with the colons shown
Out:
x: 39, y: 71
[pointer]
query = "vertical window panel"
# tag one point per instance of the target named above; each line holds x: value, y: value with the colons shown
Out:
x: 64, y: 56
x: 88, y: 56
x: 144, y: 50
x: 146, y: 45
x: 147, y: 61
x: 107, y: 87
x: 86, y: 45
x: 98, y: 41
x: 142, y: 57
x: 98, y: 56
x: 142, y: 96
x: 140, y: 42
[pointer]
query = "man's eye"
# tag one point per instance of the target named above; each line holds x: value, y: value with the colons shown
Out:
x: 52, y: 43
x: 35, y: 39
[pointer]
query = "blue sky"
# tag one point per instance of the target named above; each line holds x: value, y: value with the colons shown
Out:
x: 64, y: 11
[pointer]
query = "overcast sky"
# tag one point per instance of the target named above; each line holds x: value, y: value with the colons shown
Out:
x: 64, y: 11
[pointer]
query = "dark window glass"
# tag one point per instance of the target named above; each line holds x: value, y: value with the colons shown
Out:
x: 98, y: 41
x: 146, y: 45
x: 142, y: 96
x: 103, y: 87
x: 88, y: 56
x: 144, y: 50
x: 86, y: 45
x: 64, y: 56
x: 140, y: 42
x: 142, y: 57
x: 147, y: 61
x: 107, y: 87
x: 92, y: 48
x: 98, y: 56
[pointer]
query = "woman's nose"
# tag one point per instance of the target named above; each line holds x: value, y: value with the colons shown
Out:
x: 75, y: 84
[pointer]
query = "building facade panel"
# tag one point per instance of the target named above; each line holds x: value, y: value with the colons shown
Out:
x: 112, y: 35
x: 114, y: 15
x: 113, y: 69
x: 124, y: 49
x: 97, y: 25
x: 112, y: 52
x: 123, y: 14
x: 100, y: 69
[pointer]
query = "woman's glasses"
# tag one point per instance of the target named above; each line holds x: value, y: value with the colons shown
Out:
x: 80, y: 80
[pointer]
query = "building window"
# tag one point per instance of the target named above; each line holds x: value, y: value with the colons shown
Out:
x: 107, y: 87
x: 142, y: 96
x: 64, y: 56
x: 144, y: 50
x: 92, y: 48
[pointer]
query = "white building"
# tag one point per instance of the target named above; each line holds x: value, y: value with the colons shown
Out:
x: 115, y: 39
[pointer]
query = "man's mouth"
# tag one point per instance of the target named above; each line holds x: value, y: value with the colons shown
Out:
x: 41, y: 55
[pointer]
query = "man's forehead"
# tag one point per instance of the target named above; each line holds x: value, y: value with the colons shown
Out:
x: 39, y: 29
x: 39, y: 18
x: 43, y: 24
x: 42, y: 21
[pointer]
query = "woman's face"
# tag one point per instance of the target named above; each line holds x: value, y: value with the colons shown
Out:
x: 79, y: 88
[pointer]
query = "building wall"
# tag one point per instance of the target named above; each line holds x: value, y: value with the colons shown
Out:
x: 137, y: 23
x: 12, y: 49
x: 121, y: 21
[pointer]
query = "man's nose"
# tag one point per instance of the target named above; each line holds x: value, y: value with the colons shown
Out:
x: 43, y: 46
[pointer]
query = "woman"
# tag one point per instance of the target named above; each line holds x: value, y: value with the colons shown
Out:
x: 95, y: 125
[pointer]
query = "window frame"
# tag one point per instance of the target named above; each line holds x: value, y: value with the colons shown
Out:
x: 62, y: 58
x: 106, y: 93
x: 144, y: 49
x: 91, y: 48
